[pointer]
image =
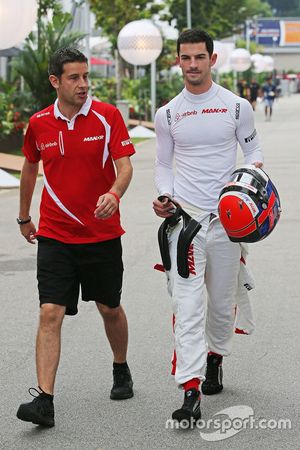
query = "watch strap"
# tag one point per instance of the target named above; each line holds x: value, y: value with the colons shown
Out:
x: 22, y: 221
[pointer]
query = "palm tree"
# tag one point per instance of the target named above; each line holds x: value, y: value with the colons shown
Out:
x: 32, y: 62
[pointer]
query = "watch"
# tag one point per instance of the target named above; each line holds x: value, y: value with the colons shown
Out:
x: 22, y: 221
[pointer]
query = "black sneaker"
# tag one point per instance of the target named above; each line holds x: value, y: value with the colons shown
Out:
x: 214, y: 375
x: 40, y: 411
x: 190, y: 409
x: 122, y: 387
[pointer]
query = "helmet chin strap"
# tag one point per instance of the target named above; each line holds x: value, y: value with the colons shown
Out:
x: 190, y: 228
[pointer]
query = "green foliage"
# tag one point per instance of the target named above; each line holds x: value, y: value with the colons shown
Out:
x: 104, y: 89
x: 112, y: 16
x: 32, y: 62
x: 220, y: 18
x: 283, y: 8
x: 225, y: 80
x: 49, y: 5
x: 12, y: 118
x: 168, y: 88
x: 167, y: 58
x: 257, y: 8
x: 137, y: 93
x: 253, y: 47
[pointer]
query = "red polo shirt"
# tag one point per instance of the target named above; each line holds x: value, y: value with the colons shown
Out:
x: 78, y: 167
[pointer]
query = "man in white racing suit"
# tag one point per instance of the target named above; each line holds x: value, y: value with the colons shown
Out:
x: 197, y: 137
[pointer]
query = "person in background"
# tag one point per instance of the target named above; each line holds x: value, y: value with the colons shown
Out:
x: 85, y: 148
x: 243, y: 89
x: 254, y: 89
x: 269, y: 95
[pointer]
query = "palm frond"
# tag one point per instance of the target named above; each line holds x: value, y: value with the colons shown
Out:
x: 32, y: 62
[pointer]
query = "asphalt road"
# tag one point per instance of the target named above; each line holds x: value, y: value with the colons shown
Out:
x: 262, y: 374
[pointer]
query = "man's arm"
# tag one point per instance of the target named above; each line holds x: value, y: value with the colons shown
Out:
x: 247, y: 136
x: 108, y: 203
x: 164, y: 176
x: 27, y: 185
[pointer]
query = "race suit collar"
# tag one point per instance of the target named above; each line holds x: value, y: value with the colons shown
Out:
x: 200, y: 98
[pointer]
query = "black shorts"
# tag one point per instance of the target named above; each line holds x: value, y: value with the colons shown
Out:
x: 63, y: 268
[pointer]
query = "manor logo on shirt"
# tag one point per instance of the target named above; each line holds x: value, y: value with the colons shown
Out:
x: 93, y: 138
x: 47, y: 145
x: 43, y: 114
x: 214, y: 110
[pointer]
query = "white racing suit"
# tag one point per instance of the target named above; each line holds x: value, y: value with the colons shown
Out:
x: 200, y: 133
x: 195, y: 331
x: 242, y: 315
x: 244, y: 322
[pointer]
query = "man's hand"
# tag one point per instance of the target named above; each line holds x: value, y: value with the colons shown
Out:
x: 164, y: 207
x: 258, y: 165
x: 107, y: 205
x: 28, y: 230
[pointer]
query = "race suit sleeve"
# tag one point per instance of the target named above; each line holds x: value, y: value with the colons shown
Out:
x: 247, y: 135
x: 164, y: 176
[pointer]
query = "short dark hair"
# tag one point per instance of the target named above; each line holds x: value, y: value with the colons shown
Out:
x: 193, y: 36
x: 62, y: 56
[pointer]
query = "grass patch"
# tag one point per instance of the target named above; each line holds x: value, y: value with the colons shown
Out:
x: 14, y: 173
x: 137, y: 140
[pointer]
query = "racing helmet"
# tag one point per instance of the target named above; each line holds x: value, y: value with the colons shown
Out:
x: 249, y: 205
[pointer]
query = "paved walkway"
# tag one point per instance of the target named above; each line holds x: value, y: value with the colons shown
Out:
x: 13, y: 162
x: 262, y: 374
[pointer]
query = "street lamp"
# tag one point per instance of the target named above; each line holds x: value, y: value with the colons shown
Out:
x: 17, y: 18
x: 140, y: 43
x: 258, y: 62
x: 188, y: 14
x: 248, y: 32
x: 269, y: 63
x: 274, y: 38
x: 222, y: 53
x: 239, y: 60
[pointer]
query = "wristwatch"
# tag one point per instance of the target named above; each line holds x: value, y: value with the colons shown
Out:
x: 22, y: 221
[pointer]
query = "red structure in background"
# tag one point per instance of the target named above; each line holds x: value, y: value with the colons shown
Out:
x: 100, y: 62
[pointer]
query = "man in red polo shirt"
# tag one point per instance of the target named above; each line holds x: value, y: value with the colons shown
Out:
x: 85, y: 150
